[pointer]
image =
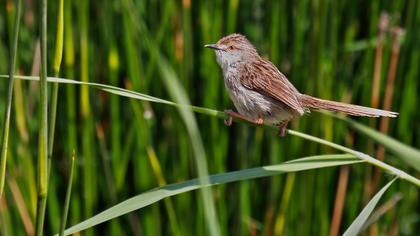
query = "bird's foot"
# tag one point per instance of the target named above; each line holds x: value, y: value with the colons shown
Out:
x: 259, y: 121
x: 231, y: 114
x: 228, y: 121
x: 282, y: 128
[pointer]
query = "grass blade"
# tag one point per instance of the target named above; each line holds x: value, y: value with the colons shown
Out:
x: 358, y: 223
x: 207, y: 111
x: 285, y: 202
x: 58, y: 55
x: 58, y: 51
x: 383, y: 209
x: 157, y: 194
x: 397, y: 172
x: 179, y: 94
x: 6, y: 119
x: 68, y: 195
x: 157, y: 170
x: 408, y: 154
x: 42, y: 174
x: 124, y: 93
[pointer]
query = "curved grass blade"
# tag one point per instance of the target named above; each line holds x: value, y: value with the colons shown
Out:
x: 124, y: 93
x: 356, y: 226
x: 157, y: 194
x: 408, y: 154
x: 178, y: 93
x: 208, y: 111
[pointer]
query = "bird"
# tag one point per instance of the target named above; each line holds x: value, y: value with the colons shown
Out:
x: 262, y: 94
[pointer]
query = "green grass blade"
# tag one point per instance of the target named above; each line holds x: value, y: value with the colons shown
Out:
x: 42, y: 172
x: 157, y: 194
x: 180, y: 96
x: 178, y: 93
x: 408, y: 154
x: 6, y: 119
x: 285, y: 202
x: 58, y: 51
x: 124, y: 93
x: 356, y: 226
x: 157, y: 170
x: 382, y: 210
x: 58, y: 55
x: 397, y: 172
x: 207, y: 111
x: 68, y: 195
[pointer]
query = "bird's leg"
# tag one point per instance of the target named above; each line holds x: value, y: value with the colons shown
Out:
x: 233, y: 114
x: 228, y: 121
x: 282, y: 128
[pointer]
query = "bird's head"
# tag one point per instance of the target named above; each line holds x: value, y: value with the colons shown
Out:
x: 232, y: 49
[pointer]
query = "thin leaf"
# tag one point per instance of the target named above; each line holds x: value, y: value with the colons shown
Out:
x: 68, y: 195
x: 178, y: 93
x: 382, y: 210
x: 6, y: 118
x: 358, y: 223
x: 58, y: 54
x: 42, y: 175
x: 408, y: 154
x: 211, y: 112
x: 392, y: 170
x: 157, y: 194
x: 58, y: 51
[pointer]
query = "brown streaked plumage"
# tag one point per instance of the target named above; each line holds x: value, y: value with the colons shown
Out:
x: 262, y: 76
x: 262, y: 94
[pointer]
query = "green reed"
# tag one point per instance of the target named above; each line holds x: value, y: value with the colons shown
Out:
x: 7, y: 113
x: 326, y: 48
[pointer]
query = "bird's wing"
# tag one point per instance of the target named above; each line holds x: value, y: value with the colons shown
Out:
x: 264, y: 77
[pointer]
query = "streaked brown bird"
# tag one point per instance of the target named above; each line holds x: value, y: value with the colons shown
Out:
x: 262, y: 94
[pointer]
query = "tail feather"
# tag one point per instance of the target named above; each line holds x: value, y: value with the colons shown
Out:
x: 353, y: 110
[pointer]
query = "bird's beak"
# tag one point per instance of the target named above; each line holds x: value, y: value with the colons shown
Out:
x: 213, y: 46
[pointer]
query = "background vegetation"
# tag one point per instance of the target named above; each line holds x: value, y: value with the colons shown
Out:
x: 340, y: 50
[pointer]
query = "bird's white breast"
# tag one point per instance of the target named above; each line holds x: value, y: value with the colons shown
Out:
x: 248, y: 102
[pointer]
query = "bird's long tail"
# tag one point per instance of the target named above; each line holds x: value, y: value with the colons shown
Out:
x: 353, y: 110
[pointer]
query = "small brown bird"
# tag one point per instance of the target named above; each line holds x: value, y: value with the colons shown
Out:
x: 262, y: 94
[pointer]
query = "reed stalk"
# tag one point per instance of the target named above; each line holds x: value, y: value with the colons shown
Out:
x: 42, y: 173
x: 68, y: 195
x: 58, y: 55
x: 7, y: 113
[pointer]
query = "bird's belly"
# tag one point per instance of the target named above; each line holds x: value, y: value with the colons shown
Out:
x: 256, y: 105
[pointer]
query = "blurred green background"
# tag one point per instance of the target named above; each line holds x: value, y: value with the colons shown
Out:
x: 327, y: 48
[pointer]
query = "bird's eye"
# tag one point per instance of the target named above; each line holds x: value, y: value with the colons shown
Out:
x: 231, y: 47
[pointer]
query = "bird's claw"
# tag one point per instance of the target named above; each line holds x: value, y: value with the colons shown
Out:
x: 259, y: 121
x: 228, y: 121
x: 282, y: 132
x: 282, y: 129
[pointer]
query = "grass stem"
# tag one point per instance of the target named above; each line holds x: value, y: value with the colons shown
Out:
x: 68, y: 195
x: 42, y: 180
x: 58, y: 55
x: 399, y: 173
x: 6, y: 120
x: 207, y: 111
